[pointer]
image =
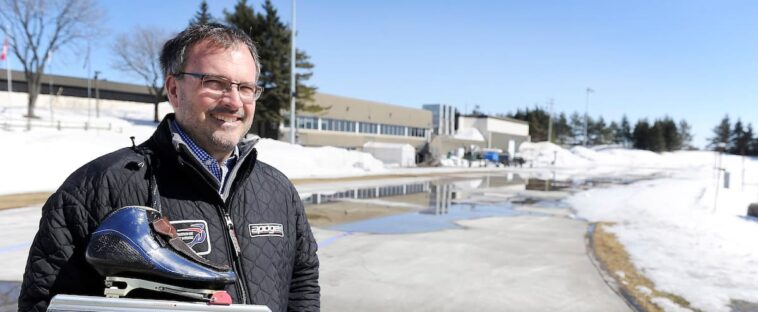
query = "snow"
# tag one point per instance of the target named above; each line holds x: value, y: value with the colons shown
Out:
x: 41, y: 159
x: 471, y: 134
x: 677, y: 232
x: 680, y: 226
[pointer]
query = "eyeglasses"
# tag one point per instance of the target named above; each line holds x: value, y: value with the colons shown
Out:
x: 218, y: 85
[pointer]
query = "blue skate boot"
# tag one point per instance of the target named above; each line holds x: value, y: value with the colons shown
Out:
x: 136, y: 248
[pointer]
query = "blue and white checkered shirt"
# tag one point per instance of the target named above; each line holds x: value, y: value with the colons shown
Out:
x: 220, y: 171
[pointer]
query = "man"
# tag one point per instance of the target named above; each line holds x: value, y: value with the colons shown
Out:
x: 235, y: 210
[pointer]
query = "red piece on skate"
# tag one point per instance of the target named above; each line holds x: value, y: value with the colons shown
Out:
x: 220, y: 297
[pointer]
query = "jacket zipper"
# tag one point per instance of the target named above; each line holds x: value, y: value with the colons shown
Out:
x: 237, y: 253
x: 234, y: 256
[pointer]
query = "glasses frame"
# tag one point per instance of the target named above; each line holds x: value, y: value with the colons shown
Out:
x: 202, y: 76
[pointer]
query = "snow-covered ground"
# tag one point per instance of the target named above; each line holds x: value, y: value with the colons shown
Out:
x: 686, y: 239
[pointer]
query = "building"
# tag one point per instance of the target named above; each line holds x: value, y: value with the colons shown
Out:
x: 351, y: 123
x: 74, y: 88
x: 443, y: 118
x: 499, y: 132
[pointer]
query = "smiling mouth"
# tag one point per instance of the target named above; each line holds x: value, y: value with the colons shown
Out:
x: 226, y: 118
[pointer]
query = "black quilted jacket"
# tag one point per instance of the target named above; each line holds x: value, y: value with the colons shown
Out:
x: 277, y: 266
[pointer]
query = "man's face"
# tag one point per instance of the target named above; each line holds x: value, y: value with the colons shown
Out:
x: 215, y: 122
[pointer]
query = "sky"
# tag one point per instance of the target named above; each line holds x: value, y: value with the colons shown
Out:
x: 686, y: 59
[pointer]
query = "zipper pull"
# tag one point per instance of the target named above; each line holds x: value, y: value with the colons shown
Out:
x: 233, y: 235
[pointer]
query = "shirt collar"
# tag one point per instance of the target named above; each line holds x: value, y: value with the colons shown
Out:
x: 199, y: 152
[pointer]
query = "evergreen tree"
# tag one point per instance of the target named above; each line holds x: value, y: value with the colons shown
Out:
x: 739, y: 143
x: 562, y: 130
x: 641, y: 135
x: 721, y: 134
x: 752, y: 149
x: 626, y: 132
x: 576, y: 122
x: 538, y: 120
x: 685, y: 134
x: 202, y: 16
x: 614, y: 133
x: 272, y: 37
x: 671, y: 138
x: 656, y: 139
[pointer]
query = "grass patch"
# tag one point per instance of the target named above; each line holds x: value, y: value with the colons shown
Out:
x: 615, y: 260
x: 23, y: 200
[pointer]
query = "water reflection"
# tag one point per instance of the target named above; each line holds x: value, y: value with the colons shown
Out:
x: 9, y: 291
x: 408, y: 208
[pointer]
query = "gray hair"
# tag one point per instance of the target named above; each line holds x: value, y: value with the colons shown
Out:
x: 173, y: 55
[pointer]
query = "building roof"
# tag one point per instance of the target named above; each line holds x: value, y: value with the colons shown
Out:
x: 482, y: 116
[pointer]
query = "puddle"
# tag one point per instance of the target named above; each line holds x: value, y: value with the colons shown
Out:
x: 410, y: 208
x: 435, y: 205
x: 9, y: 291
x: 428, y: 220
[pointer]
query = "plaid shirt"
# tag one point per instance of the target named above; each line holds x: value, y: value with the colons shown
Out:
x: 219, y: 171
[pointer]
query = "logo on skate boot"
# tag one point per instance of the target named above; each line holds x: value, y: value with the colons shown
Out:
x: 266, y: 229
x: 195, y: 234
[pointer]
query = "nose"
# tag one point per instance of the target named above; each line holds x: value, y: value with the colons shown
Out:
x: 234, y: 97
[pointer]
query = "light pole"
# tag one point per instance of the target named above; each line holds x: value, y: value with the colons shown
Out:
x: 97, y: 95
x: 293, y: 87
x: 586, y: 116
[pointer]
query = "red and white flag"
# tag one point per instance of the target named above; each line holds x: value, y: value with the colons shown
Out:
x: 5, y: 50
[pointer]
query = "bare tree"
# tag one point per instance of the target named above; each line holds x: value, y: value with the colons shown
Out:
x: 36, y: 28
x: 137, y: 53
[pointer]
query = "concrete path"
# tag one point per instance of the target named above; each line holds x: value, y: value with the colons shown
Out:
x: 531, y: 262
x: 525, y: 263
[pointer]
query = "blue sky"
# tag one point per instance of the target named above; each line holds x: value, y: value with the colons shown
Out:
x: 688, y: 59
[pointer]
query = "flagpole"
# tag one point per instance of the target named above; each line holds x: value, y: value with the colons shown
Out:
x: 6, y: 48
x: 8, y: 75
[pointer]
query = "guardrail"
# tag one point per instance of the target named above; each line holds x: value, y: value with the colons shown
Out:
x: 58, y: 124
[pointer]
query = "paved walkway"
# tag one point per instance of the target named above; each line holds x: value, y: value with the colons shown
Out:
x: 525, y: 263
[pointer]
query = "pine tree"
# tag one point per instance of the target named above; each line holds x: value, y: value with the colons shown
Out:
x: 576, y: 122
x: 202, y: 16
x: 538, y: 120
x: 613, y: 133
x: 721, y: 134
x: 752, y: 141
x: 685, y: 134
x: 626, y: 132
x: 671, y: 139
x: 739, y: 143
x: 641, y: 135
x: 562, y: 130
x: 272, y: 37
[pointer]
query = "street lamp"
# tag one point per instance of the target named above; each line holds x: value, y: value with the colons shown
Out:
x: 97, y: 95
x: 293, y: 122
x: 586, y: 116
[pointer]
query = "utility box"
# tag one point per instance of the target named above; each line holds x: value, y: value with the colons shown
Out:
x: 726, y: 179
x: 752, y: 210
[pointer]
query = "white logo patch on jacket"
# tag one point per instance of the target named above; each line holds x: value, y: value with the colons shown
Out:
x: 266, y: 229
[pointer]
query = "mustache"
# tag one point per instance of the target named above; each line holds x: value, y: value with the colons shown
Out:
x: 240, y: 113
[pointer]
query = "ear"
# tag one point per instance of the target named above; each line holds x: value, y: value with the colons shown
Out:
x: 171, y: 91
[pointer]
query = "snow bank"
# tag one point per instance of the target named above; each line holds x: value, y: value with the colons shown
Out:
x: 679, y: 234
x: 41, y: 159
x: 296, y: 161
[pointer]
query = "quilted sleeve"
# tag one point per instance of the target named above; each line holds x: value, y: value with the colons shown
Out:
x: 304, y: 289
x: 56, y: 259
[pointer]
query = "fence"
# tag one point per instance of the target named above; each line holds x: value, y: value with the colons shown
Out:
x: 57, y: 124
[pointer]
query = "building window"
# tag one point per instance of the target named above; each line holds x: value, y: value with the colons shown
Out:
x: 307, y: 122
x: 392, y: 130
x: 337, y: 125
x: 417, y: 132
x: 368, y: 127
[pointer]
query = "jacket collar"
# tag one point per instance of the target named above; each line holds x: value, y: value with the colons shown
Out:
x: 167, y: 143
